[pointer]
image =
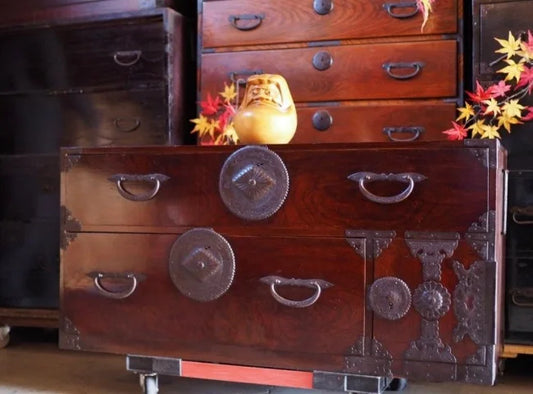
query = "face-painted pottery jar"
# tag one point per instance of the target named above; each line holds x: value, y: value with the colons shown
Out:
x: 267, y: 114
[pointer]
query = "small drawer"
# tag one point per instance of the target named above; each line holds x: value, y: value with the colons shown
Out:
x: 256, y: 22
x: 374, y: 122
x: 425, y: 69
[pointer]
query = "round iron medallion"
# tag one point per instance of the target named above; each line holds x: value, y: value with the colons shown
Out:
x: 202, y: 264
x: 253, y: 182
x: 389, y: 298
x: 432, y: 300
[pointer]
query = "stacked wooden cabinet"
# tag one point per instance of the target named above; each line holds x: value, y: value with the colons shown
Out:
x: 358, y: 70
x: 73, y: 74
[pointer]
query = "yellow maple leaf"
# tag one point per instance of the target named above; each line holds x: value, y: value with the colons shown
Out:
x: 229, y: 93
x: 509, y: 47
x: 492, y: 107
x: 425, y: 7
x: 513, y: 70
x: 477, y: 128
x: 490, y: 131
x: 506, y: 121
x: 201, y: 125
x: 231, y: 134
x: 513, y: 109
x: 466, y: 112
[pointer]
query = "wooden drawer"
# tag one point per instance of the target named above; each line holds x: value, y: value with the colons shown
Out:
x: 374, y: 121
x: 321, y: 200
x: 122, y: 53
x: 187, y: 327
x: 369, y: 71
x: 30, y: 187
x: 124, y: 117
x: 224, y: 22
x: 29, y: 269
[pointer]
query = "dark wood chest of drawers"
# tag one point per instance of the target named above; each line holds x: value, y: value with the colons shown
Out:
x: 358, y: 71
x: 110, y: 79
x: 372, y: 259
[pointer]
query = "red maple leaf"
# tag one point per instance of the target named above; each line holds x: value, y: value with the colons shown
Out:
x: 457, y: 132
x: 226, y: 115
x: 499, y: 90
x: 526, y: 79
x: 529, y: 115
x: 480, y: 94
x: 210, y: 105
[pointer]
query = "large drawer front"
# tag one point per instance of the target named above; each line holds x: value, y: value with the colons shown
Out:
x: 374, y: 122
x: 370, y: 71
x: 320, y: 200
x: 122, y: 53
x: 244, y: 325
x: 224, y: 22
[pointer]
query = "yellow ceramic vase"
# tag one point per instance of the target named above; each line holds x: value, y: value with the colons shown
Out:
x: 267, y: 114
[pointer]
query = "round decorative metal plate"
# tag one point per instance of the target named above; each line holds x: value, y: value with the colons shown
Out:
x: 389, y: 298
x: 253, y: 182
x: 432, y: 300
x: 202, y: 264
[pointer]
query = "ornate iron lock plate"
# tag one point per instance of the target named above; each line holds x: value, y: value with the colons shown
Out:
x: 202, y: 264
x: 253, y: 182
x: 389, y: 298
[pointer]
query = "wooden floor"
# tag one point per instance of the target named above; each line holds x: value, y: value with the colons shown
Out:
x: 31, y: 363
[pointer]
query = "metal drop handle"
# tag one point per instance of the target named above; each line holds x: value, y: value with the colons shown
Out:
x: 522, y: 297
x: 119, y: 295
x: 392, y: 7
x: 415, y: 132
x: 127, y: 125
x: 317, y: 284
x: 367, y: 177
x: 522, y: 215
x: 390, y: 67
x: 156, y: 179
x: 127, y: 58
x: 255, y: 19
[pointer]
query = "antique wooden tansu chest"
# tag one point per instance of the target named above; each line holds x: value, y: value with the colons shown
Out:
x: 338, y: 260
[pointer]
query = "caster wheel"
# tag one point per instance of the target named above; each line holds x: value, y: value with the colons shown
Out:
x: 149, y: 384
x: 397, y: 384
x: 4, y: 336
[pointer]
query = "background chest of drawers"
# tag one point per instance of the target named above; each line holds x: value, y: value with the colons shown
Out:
x: 495, y: 19
x: 357, y: 70
x: 109, y: 79
x: 260, y: 257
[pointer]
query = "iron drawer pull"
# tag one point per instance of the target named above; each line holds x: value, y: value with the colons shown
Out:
x: 127, y: 125
x: 409, y: 177
x: 526, y: 294
x: 519, y: 212
x: 317, y: 284
x: 119, y: 295
x: 391, y: 7
x: 416, y: 66
x: 127, y: 58
x: 234, y: 75
x: 156, y: 179
x: 255, y: 18
x: 414, y: 130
